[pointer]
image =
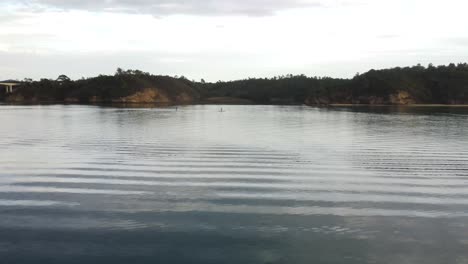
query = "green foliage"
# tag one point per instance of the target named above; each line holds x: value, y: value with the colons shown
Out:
x: 442, y: 84
x: 281, y: 89
x: 63, y: 78
x: 432, y: 84
x: 103, y: 87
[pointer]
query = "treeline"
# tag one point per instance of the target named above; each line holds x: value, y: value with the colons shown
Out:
x: 409, y: 85
x: 105, y: 88
x: 418, y: 84
x: 288, y: 89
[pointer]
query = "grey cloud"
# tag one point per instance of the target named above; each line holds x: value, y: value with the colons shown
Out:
x: 171, y: 7
x: 7, y: 18
x: 208, y: 65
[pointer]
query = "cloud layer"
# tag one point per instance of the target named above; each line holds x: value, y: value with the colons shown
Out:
x: 227, y: 39
x: 171, y: 7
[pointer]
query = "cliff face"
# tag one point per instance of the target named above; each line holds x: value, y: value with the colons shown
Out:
x: 401, y: 98
x: 155, y: 95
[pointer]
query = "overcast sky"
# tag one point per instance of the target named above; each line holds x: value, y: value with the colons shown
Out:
x: 227, y: 39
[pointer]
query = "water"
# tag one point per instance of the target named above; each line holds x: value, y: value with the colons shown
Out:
x: 252, y: 184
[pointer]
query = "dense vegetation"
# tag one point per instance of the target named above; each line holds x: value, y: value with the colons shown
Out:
x: 409, y: 85
x: 104, y: 88
x: 287, y: 89
x: 418, y: 84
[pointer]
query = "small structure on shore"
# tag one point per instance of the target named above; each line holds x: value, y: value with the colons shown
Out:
x: 9, y: 86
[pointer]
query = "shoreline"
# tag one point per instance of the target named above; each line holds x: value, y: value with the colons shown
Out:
x: 395, y: 105
x: 225, y: 102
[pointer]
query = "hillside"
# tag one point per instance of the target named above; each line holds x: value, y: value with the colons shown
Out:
x: 401, y: 86
x: 396, y: 86
x: 123, y: 87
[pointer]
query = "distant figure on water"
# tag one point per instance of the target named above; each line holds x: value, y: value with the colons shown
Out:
x: 221, y: 110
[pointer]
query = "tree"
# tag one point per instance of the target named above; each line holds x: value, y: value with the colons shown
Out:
x: 63, y: 78
x: 119, y: 71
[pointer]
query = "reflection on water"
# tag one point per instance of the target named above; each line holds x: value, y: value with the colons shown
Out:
x: 252, y: 184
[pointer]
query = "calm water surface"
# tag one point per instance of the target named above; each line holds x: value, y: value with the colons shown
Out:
x: 253, y: 184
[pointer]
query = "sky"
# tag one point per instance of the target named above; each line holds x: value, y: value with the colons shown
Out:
x: 227, y: 39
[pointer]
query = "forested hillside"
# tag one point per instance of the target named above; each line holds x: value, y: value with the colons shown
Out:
x: 131, y: 86
x: 409, y: 85
x: 401, y: 86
